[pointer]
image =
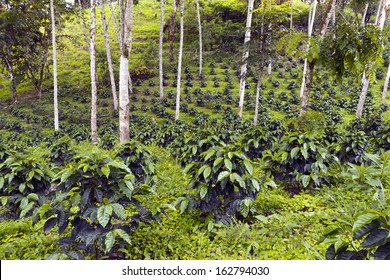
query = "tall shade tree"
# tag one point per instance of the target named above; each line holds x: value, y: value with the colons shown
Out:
x: 54, y: 45
x: 171, y: 29
x: 126, y: 8
x: 379, y: 21
x: 312, y: 14
x: 180, y: 60
x: 386, y: 84
x: 200, y: 37
x: 160, y: 50
x: 245, y: 57
x: 310, y: 69
x: 108, y: 54
x: 92, y: 52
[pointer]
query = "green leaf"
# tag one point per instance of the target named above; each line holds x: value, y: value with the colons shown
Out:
x: 248, y: 167
x: 103, y: 215
x: 305, y: 180
x: 122, y: 234
x: 22, y: 187
x: 207, y: 172
x: 364, y: 219
x: 49, y: 224
x: 109, y: 241
x: 376, y: 238
x: 304, y: 153
x: 106, y: 170
x: 203, y: 191
x: 4, y: 200
x: 217, y: 161
x: 367, y: 229
x: 119, y: 210
x: 294, y: 152
x: 66, y: 174
x: 255, y: 184
x: 262, y: 218
x: 228, y: 164
x: 183, y: 205
x: 383, y: 252
x: 26, y: 209
x: 223, y: 175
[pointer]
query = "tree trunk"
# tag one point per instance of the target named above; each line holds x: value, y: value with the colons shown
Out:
x: 108, y: 53
x: 365, y: 82
x: 311, y: 64
x: 200, y: 38
x: 180, y: 60
x: 245, y: 57
x: 124, y: 76
x: 53, y: 34
x: 365, y: 14
x: 12, y: 83
x: 84, y: 23
x: 306, y: 92
x: 92, y: 52
x: 269, y: 67
x: 291, y: 14
x: 117, y: 32
x: 160, y: 54
x: 386, y: 85
x: 171, y: 30
x: 260, y: 74
x: 312, y: 14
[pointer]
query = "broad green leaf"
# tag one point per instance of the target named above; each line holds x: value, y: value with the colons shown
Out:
x: 209, y: 154
x: 223, y: 175
x: 183, y: 205
x: 22, y: 187
x: 294, y: 152
x: 4, y: 200
x: 228, y: 164
x: 122, y: 234
x: 305, y: 180
x: 383, y: 252
x: 109, y: 240
x: 1, y: 182
x: 206, y: 172
x: 376, y: 238
x: 30, y: 175
x: 255, y: 184
x: 66, y: 174
x: 262, y: 218
x: 244, y: 209
x: 248, y: 167
x: 364, y: 219
x: 32, y: 196
x: 106, y: 170
x: 201, y: 169
x: 26, y: 209
x: 119, y: 210
x: 217, y: 161
x: 103, y: 215
x: 364, y: 230
x: 304, y: 153
x: 49, y: 224
x: 203, y: 191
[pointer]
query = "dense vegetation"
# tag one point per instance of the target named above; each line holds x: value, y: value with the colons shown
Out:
x: 210, y: 185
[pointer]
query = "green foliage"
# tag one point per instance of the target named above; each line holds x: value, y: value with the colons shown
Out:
x: 25, y: 179
x: 92, y: 193
x: 224, y: 182
x: 368, y: 237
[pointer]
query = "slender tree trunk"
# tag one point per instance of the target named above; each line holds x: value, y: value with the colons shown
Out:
x: 108, y: 53
x: 260, y: 74
x: 12, y: 83
x: 117, y: 32
x: 180, y: 60
x: 365, y: 14
x: 269, y: 67
x: 386, y: 85
x: 53, y: 34
x: 306, y: 92
x: 160, y: 54
x: 291, y: 14
x: 311, y: 64
x: 245, y: 57
x: 365, y: 82
x: 312, y: 13
x: 200, y: 38
x: 124, y: 76
x: 171, y: 29
x: 92, y: 52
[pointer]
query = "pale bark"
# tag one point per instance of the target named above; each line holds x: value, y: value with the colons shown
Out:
x: 380, y: 21
x: 117, y: 32
x: 311, y: 64
x: 92, y: 52
x: 386, y: 85
x: 171, y: 30
x: 269, y: 67
x: 291, y: 14
x: 124, y: 76
x: 84, y: 23
x: 200, y: 38
x: 180, y: 60
x: 160, y: 54
x: 108, y: 54
x: 245, y: 57
x: 54, y: 45
x: 312, y: 13
x: 365, y: 14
